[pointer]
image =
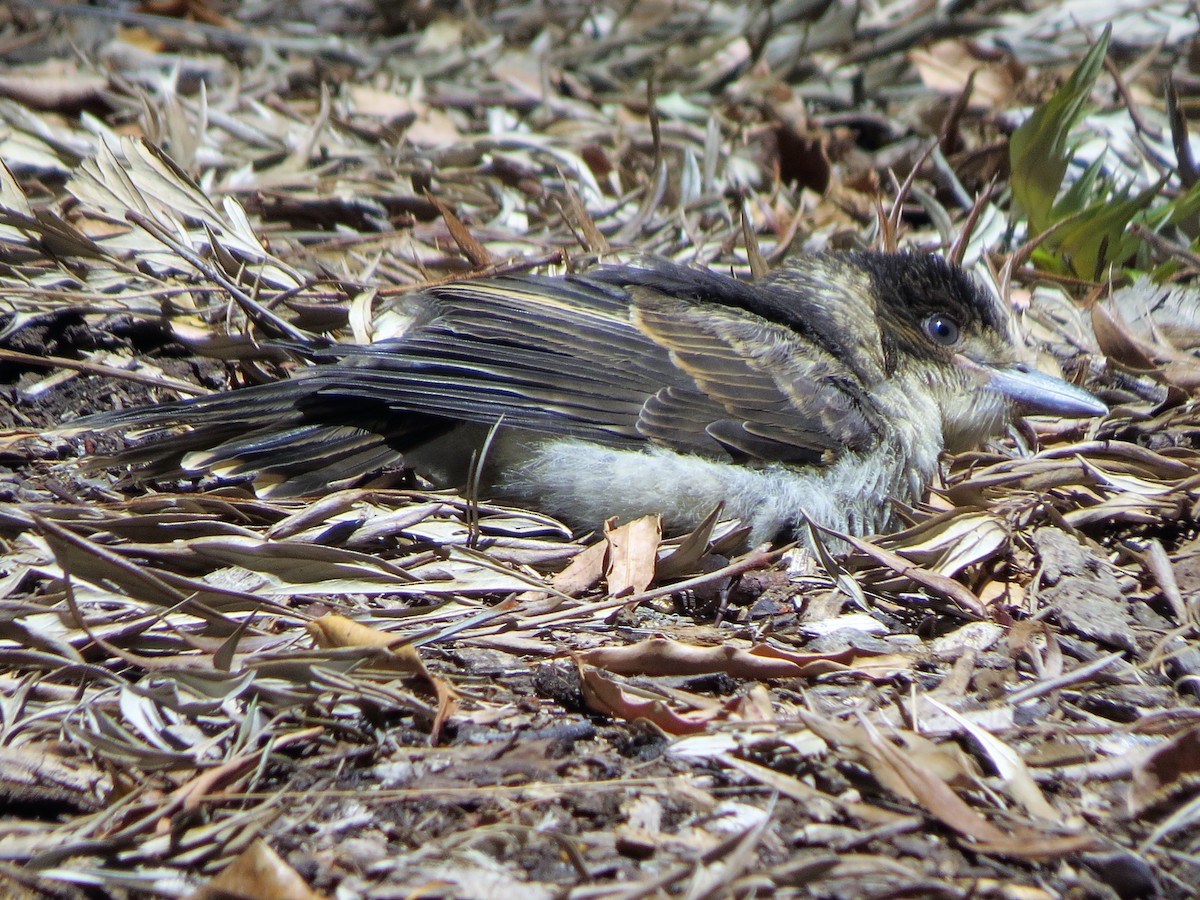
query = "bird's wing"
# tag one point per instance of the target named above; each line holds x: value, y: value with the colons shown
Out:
x: 620, y: 361
x: 666, y: 355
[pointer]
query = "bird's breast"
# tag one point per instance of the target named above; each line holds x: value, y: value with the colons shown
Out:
x: 585, y: 483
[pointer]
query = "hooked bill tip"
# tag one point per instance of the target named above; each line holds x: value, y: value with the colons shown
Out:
x: 1040, y: 394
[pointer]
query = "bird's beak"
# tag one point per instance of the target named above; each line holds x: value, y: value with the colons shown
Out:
x: 1037, y: 393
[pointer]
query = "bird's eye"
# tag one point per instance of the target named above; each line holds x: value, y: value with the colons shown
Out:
x: 942, y: 330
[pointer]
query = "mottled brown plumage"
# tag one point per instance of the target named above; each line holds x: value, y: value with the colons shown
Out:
x: 829, y: 386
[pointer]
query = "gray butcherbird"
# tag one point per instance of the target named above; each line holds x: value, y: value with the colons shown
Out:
x: 829, y: 386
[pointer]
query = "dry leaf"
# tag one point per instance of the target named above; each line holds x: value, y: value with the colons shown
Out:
x: 338, y: 631
x: 1169, y: 771
x: 259, y: 873
x: 52, y: 85
x: 662, y: 656
x: 632, y: 554
x: 607, y: 697
x: 947, y: 66
x: 584, y: 571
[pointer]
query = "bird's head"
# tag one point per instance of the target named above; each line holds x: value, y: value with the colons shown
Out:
x: 920, y: 321
x: 944, y: 328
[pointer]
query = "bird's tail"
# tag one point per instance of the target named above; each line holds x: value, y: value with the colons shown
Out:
x: 294, y: 437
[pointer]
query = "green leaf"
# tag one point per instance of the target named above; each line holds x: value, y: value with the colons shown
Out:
x: 1098, y: 238
x: 1080, y: 193
x: 1183, y: 211
x: 1038, y: 150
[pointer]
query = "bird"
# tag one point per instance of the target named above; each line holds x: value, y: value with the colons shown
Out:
x: 823, y: 391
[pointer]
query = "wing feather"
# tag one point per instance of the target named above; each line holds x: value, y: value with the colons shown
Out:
x: 619, y: 363
x: 623, y: 358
